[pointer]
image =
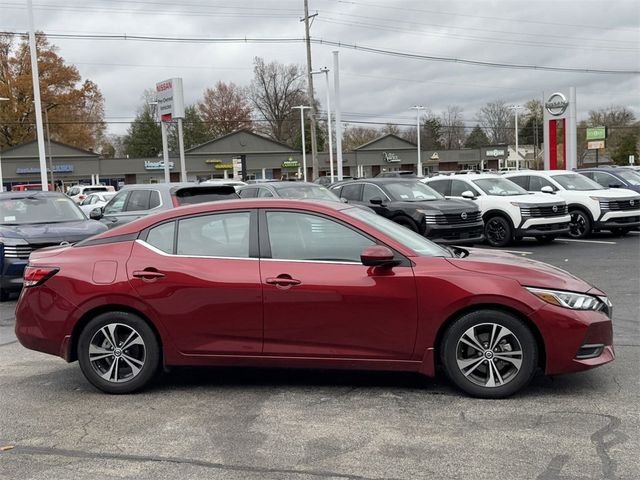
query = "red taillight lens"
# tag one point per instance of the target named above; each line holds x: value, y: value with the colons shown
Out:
x: 38, y: 275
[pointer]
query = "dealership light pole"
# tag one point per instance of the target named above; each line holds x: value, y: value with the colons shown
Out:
x: 2, y: 99
x: 336, y: 99
x: 418, y: 109
x: 304, y: 146
x: 325, y: 70
x: 516, y: 108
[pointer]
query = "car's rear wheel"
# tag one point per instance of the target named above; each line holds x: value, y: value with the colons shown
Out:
x: 406, y: 222
x: 580, y: 224
x: 489, y: 354
x: 118, y: 352
x: 498, y: 231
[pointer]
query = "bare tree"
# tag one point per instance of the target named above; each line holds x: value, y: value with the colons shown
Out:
x: 497, y: 120
x: 391, y: 129
x: 274, y: 91
x: 353, y: 137
x: 225, y: 108
x: 453, y: 135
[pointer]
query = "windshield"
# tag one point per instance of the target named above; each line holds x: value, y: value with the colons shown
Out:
x: 411, y: 191
x: 499, y: 186
x: 31, y: 210
x: 631, y: 177
x: 412, y: 240
x: 575, y: 181
x: 314, y: 192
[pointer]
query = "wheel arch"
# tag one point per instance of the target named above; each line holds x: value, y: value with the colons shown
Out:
x: 542, y: 354
x: 582, y: 208
x: 114, y: 307
x: 498, y: 213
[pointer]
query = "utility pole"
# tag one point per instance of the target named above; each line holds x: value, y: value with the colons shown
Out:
x: 312, y: 117
x: 336, y: 97
x: 325, y: 70
x: 516, y: 108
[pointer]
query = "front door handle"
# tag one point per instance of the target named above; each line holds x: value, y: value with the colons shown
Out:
x: 282, y: 281
x: 147, y: 274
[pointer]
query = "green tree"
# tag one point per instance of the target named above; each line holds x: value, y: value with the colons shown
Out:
x: 320, y: 138
x: 627, y: 145
x: 477, y: 138
x: 144, y: 138
x: 195, y: 131
x: 623, y: 133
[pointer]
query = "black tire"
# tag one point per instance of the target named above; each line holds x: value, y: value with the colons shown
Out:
x: 498, y: 231
x: 406, y: 222
x: 515, y: 373
x: 545, y: 239
x: 139, y: 362
x: 580, y: 224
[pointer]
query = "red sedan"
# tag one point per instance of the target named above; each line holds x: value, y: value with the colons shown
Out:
x: 293, y: 283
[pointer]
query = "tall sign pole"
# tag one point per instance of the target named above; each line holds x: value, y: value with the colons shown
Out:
x: 336, y: 96
x: 304, y: 145
x: 312, y: 117
x: 418, y: 109
x: 36, y: 99
x: 170, y: 107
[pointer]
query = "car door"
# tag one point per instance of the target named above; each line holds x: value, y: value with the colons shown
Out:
x: 200, y: 275
x: 320, y: 301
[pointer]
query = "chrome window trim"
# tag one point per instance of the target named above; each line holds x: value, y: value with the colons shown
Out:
x: 165, y: 254
x: 332, y: 262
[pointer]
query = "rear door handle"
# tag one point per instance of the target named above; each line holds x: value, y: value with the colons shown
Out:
x: 283, y: 282
x: 147, y: 274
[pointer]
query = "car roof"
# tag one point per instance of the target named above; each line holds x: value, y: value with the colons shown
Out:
x: 381, y: 180
x: 466, y: 176
x: 31, y: 193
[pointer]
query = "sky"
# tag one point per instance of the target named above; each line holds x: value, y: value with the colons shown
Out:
x: 374, y: 88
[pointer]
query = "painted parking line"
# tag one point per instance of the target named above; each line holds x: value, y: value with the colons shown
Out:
x: 585, y: 241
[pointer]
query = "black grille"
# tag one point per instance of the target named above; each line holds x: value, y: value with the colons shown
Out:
x: 23, y: 251
x: 617, y: 205
x: 453, y: 218
x: 544, y: 210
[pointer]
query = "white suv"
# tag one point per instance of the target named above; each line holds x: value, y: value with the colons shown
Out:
x: 78, y: 193
x: 591, y: 206
x: 508, y: 211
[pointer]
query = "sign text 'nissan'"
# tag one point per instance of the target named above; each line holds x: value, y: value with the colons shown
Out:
x: 556, y: 104
x: 170, y: 99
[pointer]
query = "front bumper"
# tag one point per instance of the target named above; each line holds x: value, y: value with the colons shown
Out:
x: 457, y: 235
x: 621, y: 219
x: 565, y: 332
x: 12, y: 273
x: 539, y: 226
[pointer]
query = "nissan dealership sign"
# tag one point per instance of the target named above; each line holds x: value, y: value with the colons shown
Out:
x: 170, y: 99
x: 556, y: 104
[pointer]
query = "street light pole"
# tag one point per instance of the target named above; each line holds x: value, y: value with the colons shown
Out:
x: 418, y: 108
x: 325, y: 70
x: 516, y: 108
x: 2, y: 99
x: 304, y: 146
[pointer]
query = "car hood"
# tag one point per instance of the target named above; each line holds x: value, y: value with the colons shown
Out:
x: 525, y: 271
x: 443, y: 206
x: 534, y: 198
x: 617, y: 193
x: 52, y: 232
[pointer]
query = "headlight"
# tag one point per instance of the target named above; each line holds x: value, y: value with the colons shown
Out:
x: 572, y: 300
x: 518, y: 204
x: 600, y: 199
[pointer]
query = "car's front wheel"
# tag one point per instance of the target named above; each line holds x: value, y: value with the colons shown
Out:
x: 118, y: 352
x: 489, y: 354
x: 580, y: 224
x: 498, y: 231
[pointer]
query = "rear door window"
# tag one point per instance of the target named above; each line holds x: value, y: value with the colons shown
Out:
x: 138, y: 200
x: 536, y: 183
x: 459, y: 186
x: 352, y: 192
x: 116, y: 205
x: 523, y: 181
x: 440, y: 186
x: 218, y: 235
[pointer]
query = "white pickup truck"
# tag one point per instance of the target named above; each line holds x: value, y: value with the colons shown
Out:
x: 591, y: 206
x: 509, y: 212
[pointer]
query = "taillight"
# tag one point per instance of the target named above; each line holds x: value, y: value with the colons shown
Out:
x: 38, y: 275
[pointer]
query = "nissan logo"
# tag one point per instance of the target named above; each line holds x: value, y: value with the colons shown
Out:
x: 632, y: 202
x: 556, y: 104
x: 464, y: 215
x: 554, y: 208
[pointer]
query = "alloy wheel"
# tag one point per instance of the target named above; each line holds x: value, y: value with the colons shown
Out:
x: 496, y: 231
x: 489, y: 355
x: 578, y: 226
x: 117, y: 352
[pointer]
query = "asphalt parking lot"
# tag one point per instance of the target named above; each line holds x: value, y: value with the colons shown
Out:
x: 257, y: 424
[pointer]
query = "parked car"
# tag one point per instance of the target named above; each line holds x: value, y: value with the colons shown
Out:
x: 78, y: 193
x: 95, y: 200
x: 31, y: 220
x: 416, y: 206
x: 325, y: 181
x: 30, y: 187
x: 305, y: 284
x: 310, y: 191
x: 397, y: 174
x: 135, y: 201
x: 224, y: 181
x: 614, y: 177
x: 592, y: 208
x: 508, y: 211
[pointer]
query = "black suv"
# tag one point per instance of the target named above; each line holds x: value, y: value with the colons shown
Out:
x: 418, y: 207
x: 135, y: 201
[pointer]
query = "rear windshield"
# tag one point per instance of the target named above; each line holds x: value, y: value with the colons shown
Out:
x: 38, y: 209
x: 192, y: 195
x: 95, y: 189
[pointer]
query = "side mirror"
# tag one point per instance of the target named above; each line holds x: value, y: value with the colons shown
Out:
x: 96, y: 213
x: 547, y: 189
x: 468, y: 194
x: 614, y: 185
x: 378, y: 256
x: 376, y: 201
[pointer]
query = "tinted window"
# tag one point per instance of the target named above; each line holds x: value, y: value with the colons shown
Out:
x: 631, y: 177
x: 458, y: 186
x: 218, y: 235
x: 372, y: 191
x: 412, y: 191
x: 522, y: 181
x: 94, y: 189
x: 154, y: 200
x: 162, y: 237
x: 352, y: 192
x: 192, y: 195
x: 116, y: 205
x: 607, y: 180
x: 315, y: 192
x: 536, y: 183
x: 264, y: 193
x: 300, y: 236
x: 575, y: 181
x: 248, y: 192
x: 138, y: 200
x: 440, y: 186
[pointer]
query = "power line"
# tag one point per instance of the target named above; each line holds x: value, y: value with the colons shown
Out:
x: 332, y: 43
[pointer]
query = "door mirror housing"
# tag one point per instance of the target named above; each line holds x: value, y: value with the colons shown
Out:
x: 468, y: 194
x: 378, y: 256
x: 547, y: 189
x: 614, y: 185
x: 96, y: 213
x: 376, y: 201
